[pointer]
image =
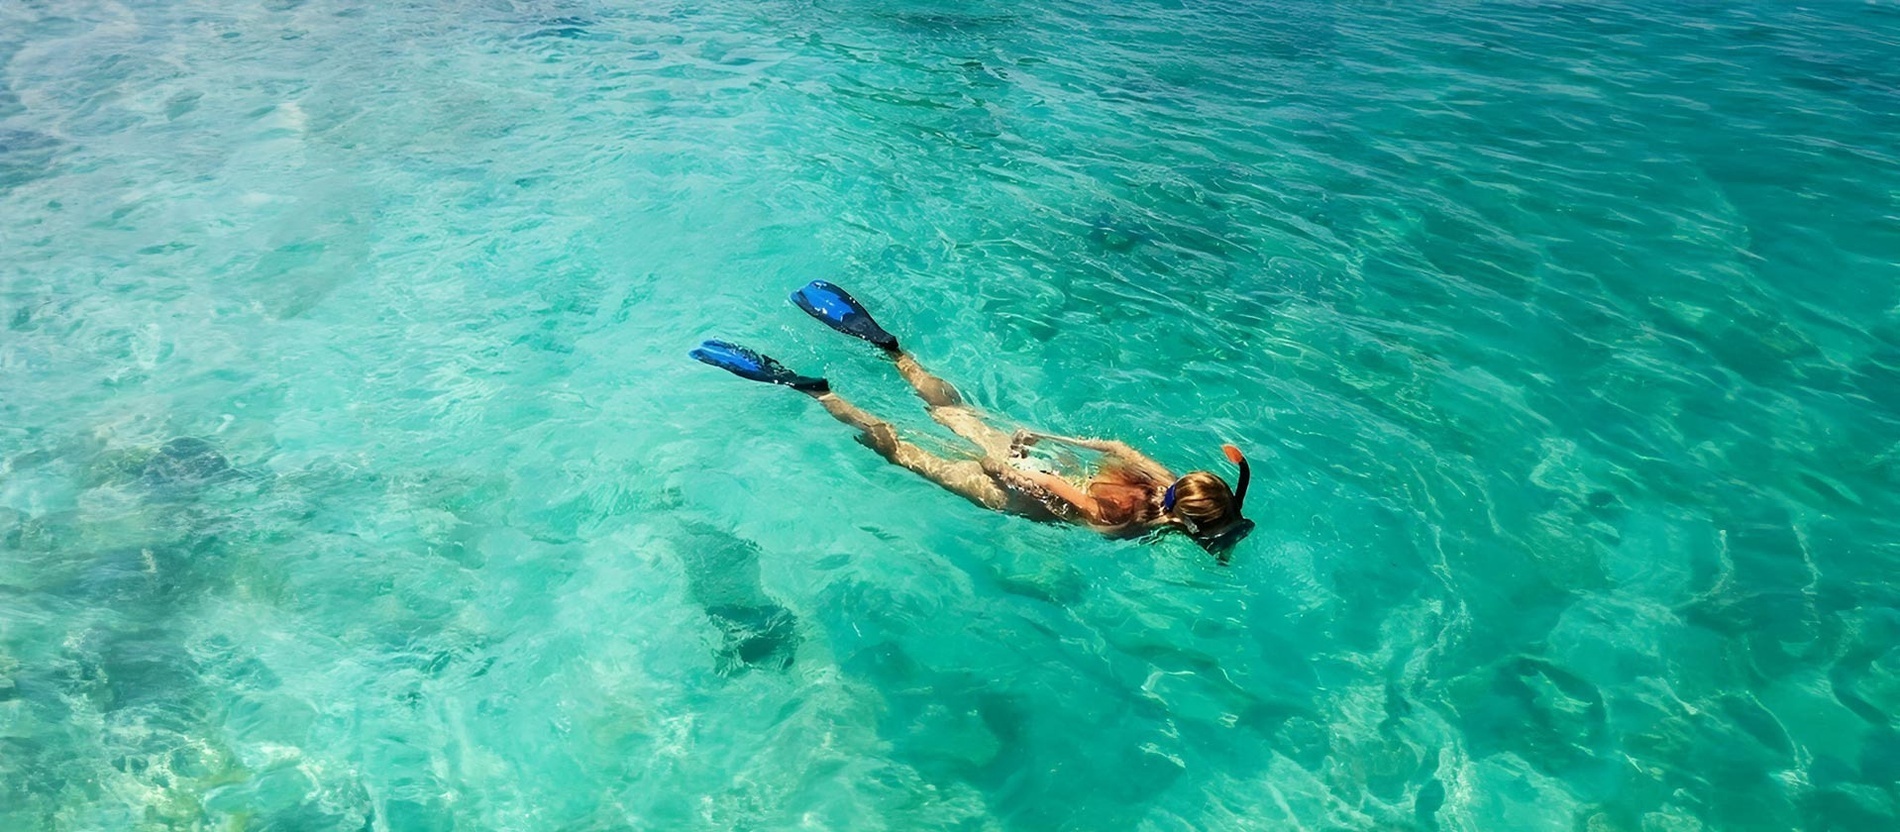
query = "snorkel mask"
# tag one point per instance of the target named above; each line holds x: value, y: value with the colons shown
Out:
x: 1218, y: 539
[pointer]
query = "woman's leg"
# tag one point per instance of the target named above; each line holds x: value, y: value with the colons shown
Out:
x: 934, y: 391
x: 963, y: 477
x: 947, y: 407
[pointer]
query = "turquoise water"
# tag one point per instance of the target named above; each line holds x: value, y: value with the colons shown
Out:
x: 352, y: 475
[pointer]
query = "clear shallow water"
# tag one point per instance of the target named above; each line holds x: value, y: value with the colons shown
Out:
x: 1567, y: 340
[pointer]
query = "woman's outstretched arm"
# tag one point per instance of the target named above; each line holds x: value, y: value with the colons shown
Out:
x: 1111, y: 447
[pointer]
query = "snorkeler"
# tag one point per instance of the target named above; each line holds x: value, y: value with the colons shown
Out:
x: 1128, y: 495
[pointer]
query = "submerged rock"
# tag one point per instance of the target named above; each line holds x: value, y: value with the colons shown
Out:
x: 765, y: 637
x: 185, y: 461
x: 722, y: 575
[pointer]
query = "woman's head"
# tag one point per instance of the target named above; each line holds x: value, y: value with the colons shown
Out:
x: 1203, y: 499
x: 1203, y: 506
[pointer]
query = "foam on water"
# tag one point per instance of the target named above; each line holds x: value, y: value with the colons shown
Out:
x: 352, y: 474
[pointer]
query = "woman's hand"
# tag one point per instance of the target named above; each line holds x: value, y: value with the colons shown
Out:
x: 1019, y: 442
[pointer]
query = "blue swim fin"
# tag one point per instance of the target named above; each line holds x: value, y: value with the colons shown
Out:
x: 842, y: 312
x: 745, y: 363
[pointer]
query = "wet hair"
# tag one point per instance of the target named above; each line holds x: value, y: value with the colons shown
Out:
x: 1125, y: 495
x: 1204, y: 499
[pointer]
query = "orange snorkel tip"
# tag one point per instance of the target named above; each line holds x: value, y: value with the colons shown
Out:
x: 1234, y: 455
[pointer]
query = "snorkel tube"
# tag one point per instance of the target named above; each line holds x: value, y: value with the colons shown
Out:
x: 1246, y: 475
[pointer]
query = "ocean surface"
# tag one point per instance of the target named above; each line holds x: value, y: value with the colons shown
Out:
x: 353, y: 475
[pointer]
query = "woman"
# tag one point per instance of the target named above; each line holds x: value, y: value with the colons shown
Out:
x: 1128, y: 495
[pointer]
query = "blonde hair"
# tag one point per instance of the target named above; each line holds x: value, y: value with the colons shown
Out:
x: 1203, y: 498
x: 1126, y: 496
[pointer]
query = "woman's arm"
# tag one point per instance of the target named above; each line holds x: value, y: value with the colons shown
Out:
x: 1049, y: 484
x: 1110, y: 447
